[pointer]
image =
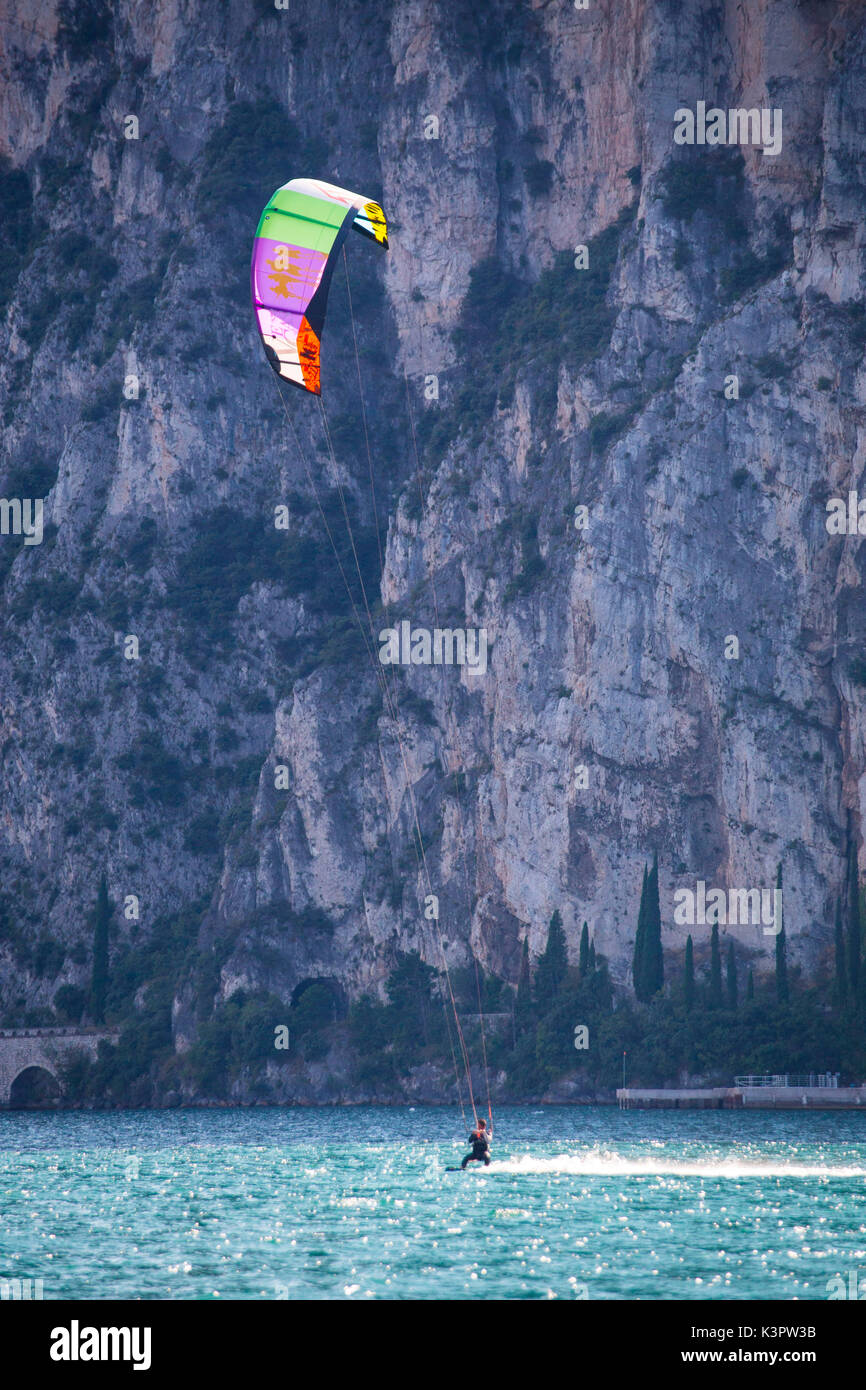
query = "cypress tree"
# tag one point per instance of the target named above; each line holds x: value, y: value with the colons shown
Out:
x: 648, y: 971
x: 750, y: 987
x: 781, y: 954
x: 523, y: 1000
x: 689, y: 974
x: 653, y: 956
x: 592, y: 964
x: 841, y: 981
x: 731, y: 977
x: 99, y: 978
x: 551, y: 975
x: 715, y: 969
x: 637, y: 965
x: 781, y: 968
x: 583, y: 959
x: 853, y: 953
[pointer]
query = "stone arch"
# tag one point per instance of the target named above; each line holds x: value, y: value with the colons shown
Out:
x: 339, y: 1003
x: 45, y: 1048
x: 34, y: 1087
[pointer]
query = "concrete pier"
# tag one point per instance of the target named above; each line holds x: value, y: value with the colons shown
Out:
x: 746, y: 1098
x: 717, y: 1098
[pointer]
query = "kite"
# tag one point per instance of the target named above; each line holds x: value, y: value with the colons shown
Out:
x: 299, y: 235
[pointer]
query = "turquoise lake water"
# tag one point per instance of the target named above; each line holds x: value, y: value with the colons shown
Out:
x: 355, y: 1203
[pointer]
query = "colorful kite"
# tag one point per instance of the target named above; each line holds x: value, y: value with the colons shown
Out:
x: 299, y: 235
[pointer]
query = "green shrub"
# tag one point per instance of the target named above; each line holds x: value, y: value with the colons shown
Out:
x: 421, y: 708
x: 240, y: 1034
x: 48, y: 958
x: 139, y: 551
x: 160, y: 773
x: 132, y: 308
x: 100, y: 405
x: 41, y: 314
x: 772, y: 365
x: 31, y: 478
x: 507, y: 324
x: 78, y: 252
x: 604, y: 427
x: 86, y: 26
x: 707, y: 180
x: 55, y: 595
x: 682, y: 254
x: 532, y: 563
x: 538, y: 177
x: 16, y: 200
x: 70, y: 1003
x: 752, y: 270
x: 315, y: 1009
x: 231, y: 552
x: 247, y: 157
x: 202, y: 834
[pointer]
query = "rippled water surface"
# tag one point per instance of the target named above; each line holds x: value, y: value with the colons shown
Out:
x: 356, y: 1203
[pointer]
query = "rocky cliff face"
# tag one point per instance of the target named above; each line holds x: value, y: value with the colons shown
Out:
x: 186, y: 704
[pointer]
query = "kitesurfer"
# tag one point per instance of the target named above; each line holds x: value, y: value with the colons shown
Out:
x: 480, y: 1141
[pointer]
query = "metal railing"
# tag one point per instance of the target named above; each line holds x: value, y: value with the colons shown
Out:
x: 822, y: 1080
x: 57, y: 1032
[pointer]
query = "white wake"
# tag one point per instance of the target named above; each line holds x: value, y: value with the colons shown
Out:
x: 601, y: 1165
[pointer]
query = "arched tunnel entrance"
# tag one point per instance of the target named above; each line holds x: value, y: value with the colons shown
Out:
x: 320, y: 1001
x: 34, y: 1088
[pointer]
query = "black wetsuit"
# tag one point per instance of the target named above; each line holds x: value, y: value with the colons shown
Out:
x: 480, y: 1148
